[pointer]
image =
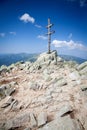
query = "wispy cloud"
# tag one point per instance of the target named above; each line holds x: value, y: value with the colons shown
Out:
x: 2, y: 34
x: 27, y: 18
x: 82, y: 3
x: 70, y: 44
x: 38, y: 26
x: 13, y: 33
x: 42, y: 37
x: 70, y: 36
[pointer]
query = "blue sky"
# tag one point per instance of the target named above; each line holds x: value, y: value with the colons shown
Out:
x: 23, y: 22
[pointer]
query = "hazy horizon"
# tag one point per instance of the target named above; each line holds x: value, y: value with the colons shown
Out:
x: 38, y: 54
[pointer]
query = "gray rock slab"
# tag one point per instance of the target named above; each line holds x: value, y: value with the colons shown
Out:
x: 62, y: 123
x: 33, y: 122
x: 9, y: 91
x: 17, y: 121
x: 47, y: 78
x: 74, y: 75
x: 6, y: 90
x: 33, y: 85
x: 3, y: 88
x: 83, y: 71
x: 28, y: 128
x: 60, y: 83
x: 64, y: 110
x: 84, y: 87
x: 85, y: 124
x: 42, y: 119
x: 14, y: 104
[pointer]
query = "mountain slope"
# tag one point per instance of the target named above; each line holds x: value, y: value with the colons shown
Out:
x: 43, y: 95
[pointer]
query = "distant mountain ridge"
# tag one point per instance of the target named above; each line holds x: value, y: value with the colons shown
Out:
x: 7, y: 59
x: 73, y: 58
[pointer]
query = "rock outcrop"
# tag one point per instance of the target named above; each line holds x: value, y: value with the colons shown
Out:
x: 47, y: 59
x: 49, y: 94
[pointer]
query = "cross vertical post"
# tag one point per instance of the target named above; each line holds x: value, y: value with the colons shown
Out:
x: 49, y: 35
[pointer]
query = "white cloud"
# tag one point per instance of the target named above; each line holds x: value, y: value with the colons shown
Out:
x: 38, y: 26
x: 42, y: 37
x: 13, y: 33
x: 2, y: 34
x: 27, y: 18
x: 70, y: 44
x: 70, y: 36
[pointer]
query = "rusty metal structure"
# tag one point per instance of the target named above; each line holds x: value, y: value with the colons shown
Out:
x: 49, y: 35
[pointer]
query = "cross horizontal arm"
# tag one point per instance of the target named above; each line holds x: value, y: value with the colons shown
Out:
x: 50, y: 25
x: 49, y: 33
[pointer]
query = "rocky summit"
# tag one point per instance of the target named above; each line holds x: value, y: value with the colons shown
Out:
x: 48, y: 94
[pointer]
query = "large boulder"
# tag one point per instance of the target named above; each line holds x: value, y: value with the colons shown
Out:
x: 81, y: 66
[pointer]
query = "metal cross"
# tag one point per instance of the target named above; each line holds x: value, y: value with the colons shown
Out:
x: 49, y: 35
